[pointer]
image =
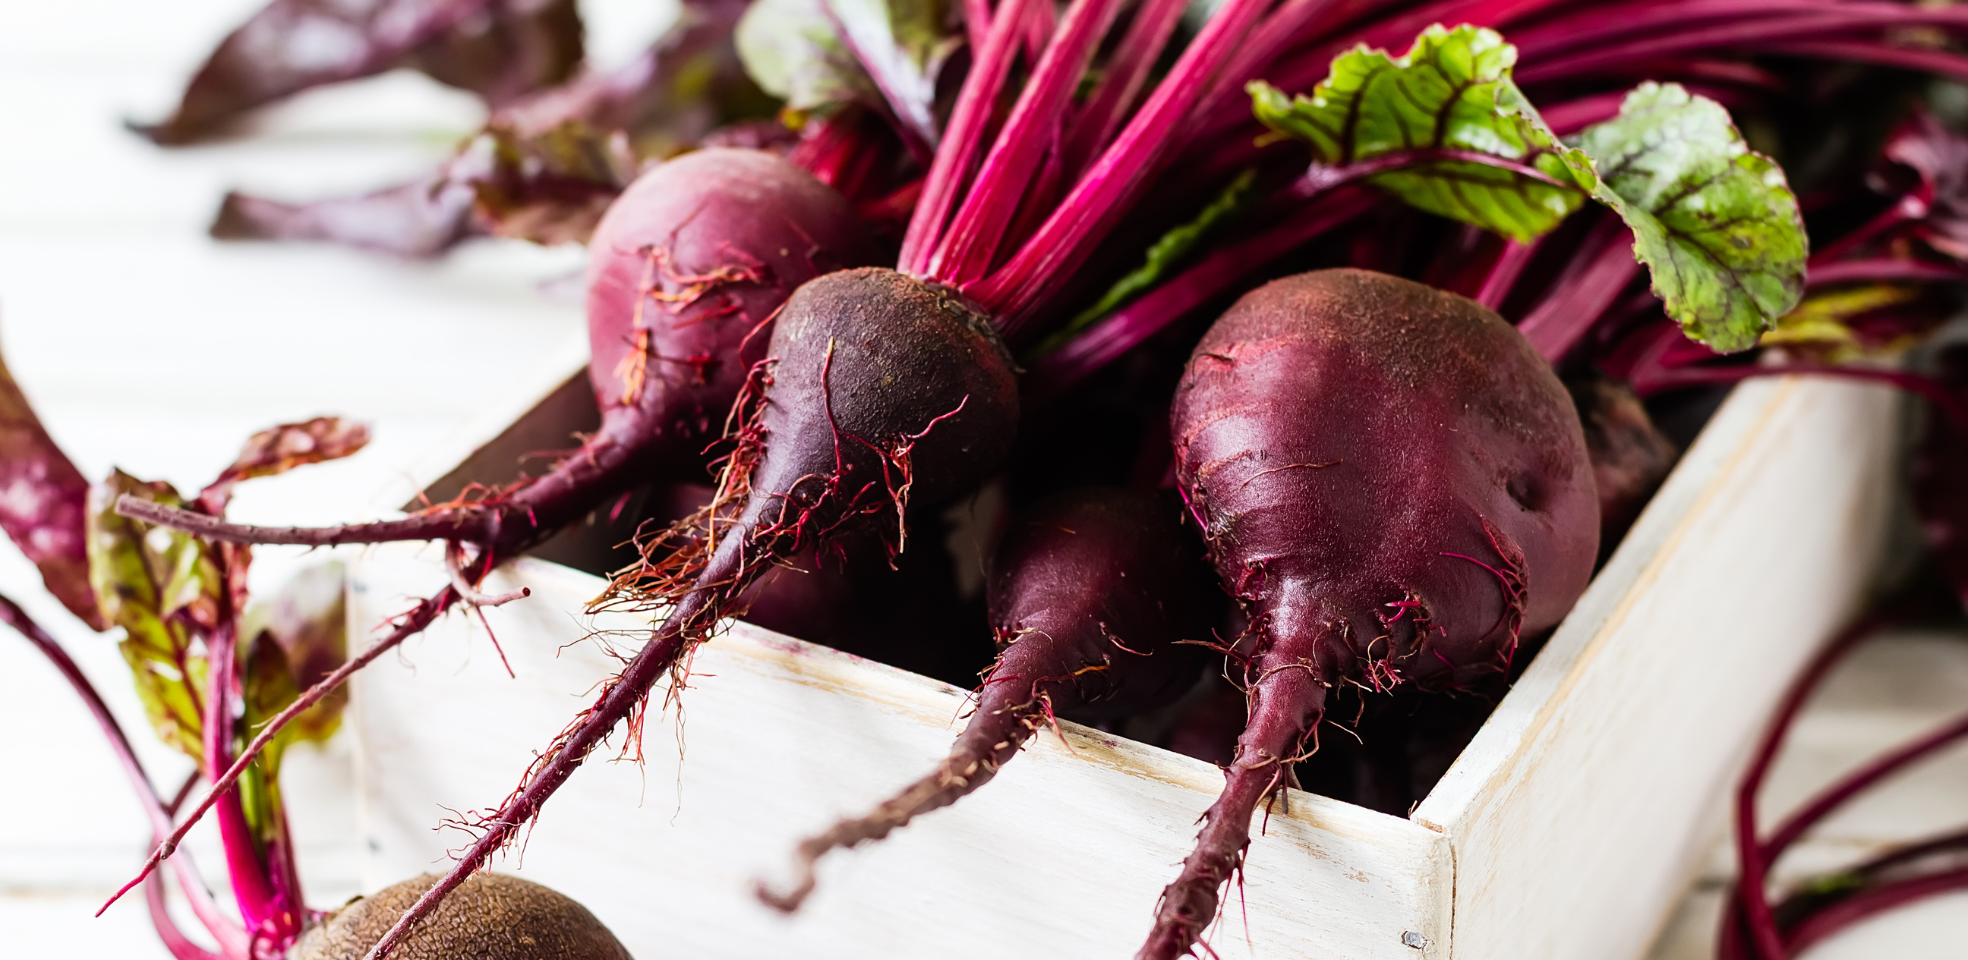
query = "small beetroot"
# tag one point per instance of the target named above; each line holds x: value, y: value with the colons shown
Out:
x: 1394, y: 484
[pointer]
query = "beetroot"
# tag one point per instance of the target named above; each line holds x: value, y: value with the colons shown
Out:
x: 492, y: 917
x: 686, y: 270
x: 1394, y: 485
x: 880, y: 390
x: 1092, y: 594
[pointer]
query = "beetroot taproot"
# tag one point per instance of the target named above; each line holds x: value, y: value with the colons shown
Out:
x: 1394, y: 485
x: 879, y: 390
x: 1092, y: 596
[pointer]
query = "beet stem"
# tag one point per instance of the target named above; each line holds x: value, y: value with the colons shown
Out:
x: 442, y: 525
x: 968, y: 247
x: 411, y: 624
x: 1927, y: 388
x: 231, y: 937
x: 1120, y: 83
x: 1123, y: 169
x: 1584, y: 291
x: 1504, y: 273
x: 963, y: 138
x: 692, y: 617
x: 1126, y: 328
x: 1859, y: 906
x: 1750, y: 892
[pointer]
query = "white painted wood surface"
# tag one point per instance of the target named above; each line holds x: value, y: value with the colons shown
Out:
x: 1582, y: 806
x: 1888, y: 692
x: 1061, y: 855
x: 1566, y: 830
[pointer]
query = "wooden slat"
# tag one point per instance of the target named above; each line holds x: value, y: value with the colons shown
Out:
x: 1063, y: 854
x: 1583, y: 805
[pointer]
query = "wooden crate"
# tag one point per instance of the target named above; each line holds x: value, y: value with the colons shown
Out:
x: 1565, y: 830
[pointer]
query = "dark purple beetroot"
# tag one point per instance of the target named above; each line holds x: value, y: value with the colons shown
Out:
x: 686, y: 271
x: 1091, y: 594
x: 881, y: 391
x: 1394, y: 484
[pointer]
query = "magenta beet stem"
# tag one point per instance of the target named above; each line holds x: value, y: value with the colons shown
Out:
x: 963, y: 137
x: 1121, y: 80
x: 1584, y: 291
x: 1859, y: 906
x: 1925, y: 387
x: 1033, y: 274
x: 1885, y: 269
x: 971, y: 242
x: 268, y: 917
x: 1218, y: 273
x: 231, y: 938
x: 1750, y: 889
x: 409, y: 625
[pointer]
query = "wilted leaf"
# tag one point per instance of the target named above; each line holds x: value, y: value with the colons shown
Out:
x: 43, y: 499
x: 1938, y: 158
x: 308, y: 620
x: 159, y: 585
x: 531, y: 173
x: 552, y: 187
x: 818, y: 53
x: 1451, y: 93
x: 1713, y: 220
x: 415, y: 220
x: 1822, y: 324
x: 279, y: 449
x: 514, y: 48
x: 498, y: 48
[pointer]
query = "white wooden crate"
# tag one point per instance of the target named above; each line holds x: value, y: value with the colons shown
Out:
x: 1565, y: 830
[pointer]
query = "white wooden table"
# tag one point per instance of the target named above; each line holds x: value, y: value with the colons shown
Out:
x: 148, y: 346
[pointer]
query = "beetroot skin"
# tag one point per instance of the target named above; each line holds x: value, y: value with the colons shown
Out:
x: 1394, y: 485
x: 880, y: 390
x: 1092, y: 595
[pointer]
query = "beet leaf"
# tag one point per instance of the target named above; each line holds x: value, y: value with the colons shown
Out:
x: 818, y: 54
x: 1445, y: 129
x: 46, y: 501
x: 1713, y: 220
x: 158, y: 585
x: 1457, y: 137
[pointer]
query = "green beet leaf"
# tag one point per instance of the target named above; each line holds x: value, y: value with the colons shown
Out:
x: 306, y: 620
x: 159, y: 586
x: 1453, y: 133
x: 1445, y: 129
x: 1713, y: 221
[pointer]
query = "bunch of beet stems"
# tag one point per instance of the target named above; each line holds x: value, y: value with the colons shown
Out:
x: 956, y: 244
x: 1749, y: 928
x: 251, y: 875
x: 1563, y: 46
x: 814, y: 463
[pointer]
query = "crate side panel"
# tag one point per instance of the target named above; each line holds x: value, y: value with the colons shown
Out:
x: 1583, y: 807
x: 1063, y: 854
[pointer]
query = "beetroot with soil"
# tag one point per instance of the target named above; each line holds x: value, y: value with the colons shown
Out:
x: 1092, y: 595
x: 1395, y: 485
